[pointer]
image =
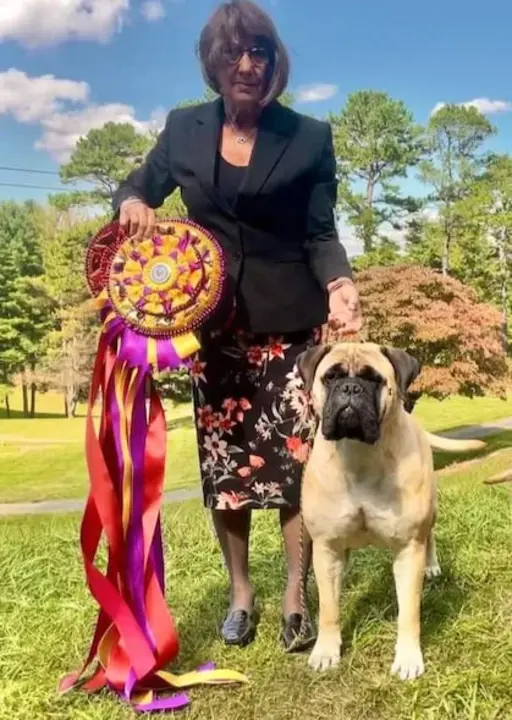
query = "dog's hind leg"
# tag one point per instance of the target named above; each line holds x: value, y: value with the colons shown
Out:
x: 432, y: 568
x: 409, y: 570
x: 328, y: 562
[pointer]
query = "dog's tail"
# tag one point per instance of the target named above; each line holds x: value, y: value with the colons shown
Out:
x: 438, y: 442
x: 500, y: 478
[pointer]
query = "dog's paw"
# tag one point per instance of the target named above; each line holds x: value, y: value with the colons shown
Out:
x: 433, y: 571
x: 408, y: 663
x: 325, y: 654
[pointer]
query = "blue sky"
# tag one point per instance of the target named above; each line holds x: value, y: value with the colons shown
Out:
x: 64, y: 70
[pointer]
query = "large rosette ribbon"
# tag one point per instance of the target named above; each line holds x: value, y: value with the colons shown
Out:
x: 153, y: 296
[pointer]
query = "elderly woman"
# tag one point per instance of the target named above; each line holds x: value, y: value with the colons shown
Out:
x: 262, y: 179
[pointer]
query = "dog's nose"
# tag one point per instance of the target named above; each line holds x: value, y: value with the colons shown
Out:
x: 351, y: 388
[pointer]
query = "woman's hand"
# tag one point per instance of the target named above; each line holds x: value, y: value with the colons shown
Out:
x: 136, y: 219
x: 344, y: 306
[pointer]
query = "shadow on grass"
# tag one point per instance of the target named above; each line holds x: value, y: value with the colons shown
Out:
x: 199, y: 627
x: 500, y: 441
x: 18, y: 415
x: 179, y: 422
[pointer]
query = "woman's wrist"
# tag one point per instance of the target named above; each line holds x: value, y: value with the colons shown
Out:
x: 338, y: 283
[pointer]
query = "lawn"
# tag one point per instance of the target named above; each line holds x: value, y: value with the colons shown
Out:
x: 47, y: 618
x: 43, y: 458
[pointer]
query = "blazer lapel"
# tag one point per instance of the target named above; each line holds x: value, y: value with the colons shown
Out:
x: 274, y: 136
x: 207, y: 129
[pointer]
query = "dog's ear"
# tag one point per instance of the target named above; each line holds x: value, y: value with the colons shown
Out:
x: 406, y: 367
x: 308, y: 361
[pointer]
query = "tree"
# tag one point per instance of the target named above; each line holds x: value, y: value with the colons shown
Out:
x: 104, y: 157
x: 70, y: 356
x: 25, y: 307
x: 457, y: 339
x: 72, y: 343
x: 384, y: 254
x: 376, y: 141
x: 455, y: 135
x: 11, y: 352
x: 36, y: 313
x: 485, y: 248
x: 174, y: 385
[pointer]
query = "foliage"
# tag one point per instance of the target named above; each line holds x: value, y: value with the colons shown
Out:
x: 486, y: 246
x: 455, y: 135
x: 174, y: 386
x: 457, y: 339
x: 376, y: 141
x: 25, y: 305
x: 70, y: 356
x: 104, y: 157
x: 384, y: 253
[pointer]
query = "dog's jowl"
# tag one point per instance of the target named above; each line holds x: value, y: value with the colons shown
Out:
x: 369, y: 481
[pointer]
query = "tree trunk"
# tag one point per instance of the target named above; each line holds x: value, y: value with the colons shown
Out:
x: 504, y: 282
x: 368, y: 227
x: 71, y: 402
x: 7, y: 406
x: 24, y: 390
x: 66, y: 409
x: 32, y: 395
x: 447, y: 247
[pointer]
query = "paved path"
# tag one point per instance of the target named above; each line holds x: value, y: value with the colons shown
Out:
x: 59, y: 506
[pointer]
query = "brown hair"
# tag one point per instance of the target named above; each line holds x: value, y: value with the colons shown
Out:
x: 232, y: 23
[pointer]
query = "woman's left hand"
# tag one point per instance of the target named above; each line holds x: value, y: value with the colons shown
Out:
x: 344, y: 307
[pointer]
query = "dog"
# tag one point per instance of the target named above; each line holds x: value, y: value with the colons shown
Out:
x: 369, y: 480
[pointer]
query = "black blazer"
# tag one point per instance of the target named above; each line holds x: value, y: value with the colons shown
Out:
x: 280, y: 238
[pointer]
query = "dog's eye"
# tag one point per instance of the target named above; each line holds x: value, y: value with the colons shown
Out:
x: 371, y: 375
x: 335, y: 372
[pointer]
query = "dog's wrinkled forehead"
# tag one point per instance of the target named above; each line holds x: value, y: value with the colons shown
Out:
x: 354, y: 359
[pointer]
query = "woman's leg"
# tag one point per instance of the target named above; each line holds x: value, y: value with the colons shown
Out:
x: 296, y: 545
x: 233, y: 528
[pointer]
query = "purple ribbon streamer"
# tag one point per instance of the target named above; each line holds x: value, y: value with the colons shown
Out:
x: 175, y: 702
x: 168, y: 358
x: 133, y: 350
x: 135, y: 535
x: 157, y: 555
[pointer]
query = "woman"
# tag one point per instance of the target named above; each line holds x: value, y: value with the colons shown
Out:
x: 262, y: 179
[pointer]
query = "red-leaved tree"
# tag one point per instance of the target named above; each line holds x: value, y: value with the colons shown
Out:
x: 457, y: 340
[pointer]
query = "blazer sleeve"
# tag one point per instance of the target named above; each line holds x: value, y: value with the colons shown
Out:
x: 327, y: 256
x: 152, y: 182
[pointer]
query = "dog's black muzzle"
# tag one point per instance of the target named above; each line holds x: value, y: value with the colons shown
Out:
x: 351, y: 411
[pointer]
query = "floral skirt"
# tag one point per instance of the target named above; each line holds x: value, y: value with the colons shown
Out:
x: 254, y: 423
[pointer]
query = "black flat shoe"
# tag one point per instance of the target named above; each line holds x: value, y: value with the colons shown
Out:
x: 297, y: 635
x: 239, y: 628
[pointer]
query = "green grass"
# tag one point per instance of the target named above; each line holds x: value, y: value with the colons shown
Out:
x: 47, y: 618
x: 43, y: 458
x: 459, y: 411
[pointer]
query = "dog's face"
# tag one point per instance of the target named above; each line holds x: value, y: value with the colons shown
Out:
x: 354, y: 387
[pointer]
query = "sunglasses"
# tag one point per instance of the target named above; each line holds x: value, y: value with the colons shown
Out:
x: 259, y: 55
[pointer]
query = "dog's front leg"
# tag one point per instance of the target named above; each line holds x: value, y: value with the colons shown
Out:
x: 409, y: 569
x: 328, y: 563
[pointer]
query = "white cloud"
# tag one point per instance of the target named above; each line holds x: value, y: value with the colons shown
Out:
x: 153, y: 10
x: 46, y: 22
x: 315, y: 93
x: 483, y: 105
x: 62, y: 110
x: 28, y: 99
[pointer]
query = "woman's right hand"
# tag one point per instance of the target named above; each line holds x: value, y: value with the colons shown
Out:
x: 136, y: 219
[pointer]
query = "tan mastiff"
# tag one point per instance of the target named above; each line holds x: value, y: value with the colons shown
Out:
x: 369, y: 481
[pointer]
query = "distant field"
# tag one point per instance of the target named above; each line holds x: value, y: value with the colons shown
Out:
x: 43, y: 458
